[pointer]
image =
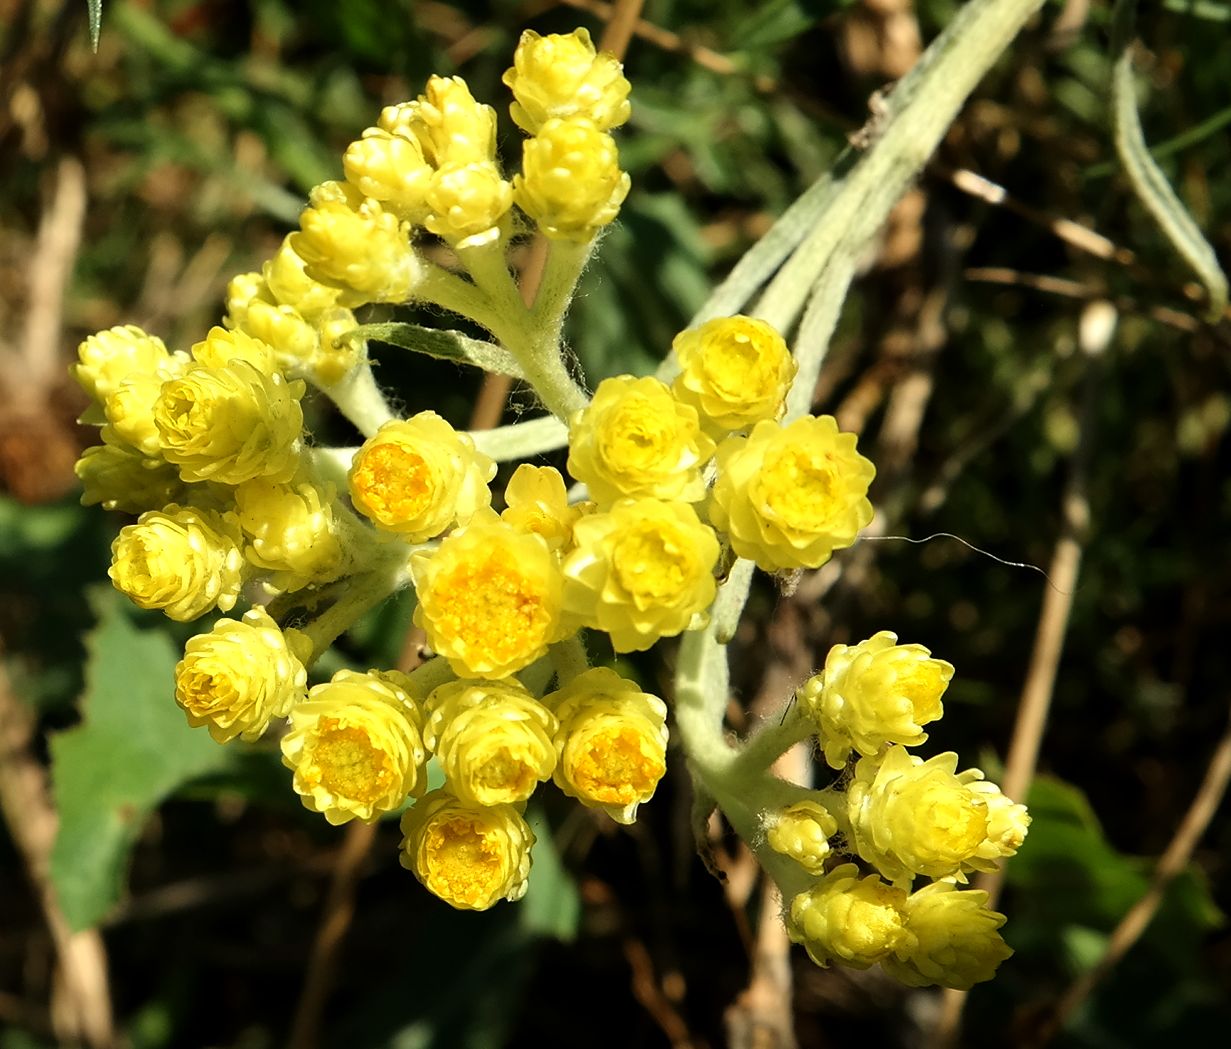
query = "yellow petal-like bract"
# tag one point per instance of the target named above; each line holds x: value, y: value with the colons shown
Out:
x: 735, y: 371
x: 636, y: 439
x: 909, y: 816
x: 873, y: 693
x: 640, y: 571
x: 789, y: 496
x: 241, y: 675
x: 231, y: 424
x: 562, y: 76
x: 417, y: 477
x: 471, y: 856
x: 802, y: 831
x: 570, y: 182
x: 857, y: 921
x: 180, y: 560
x: 957, y: 942
x: 611, y: 741
x: 489, y: 598
x: 356, y: 748
x: 493, y: 740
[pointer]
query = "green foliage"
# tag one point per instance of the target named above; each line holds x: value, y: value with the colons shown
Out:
x: 440, y: 343
x: 132, y: 750
x: 202, y: 127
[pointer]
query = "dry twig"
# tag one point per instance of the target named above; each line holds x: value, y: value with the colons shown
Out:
x: 1096, y: 329
x: 1178, y: 852
x: 81, y: 1000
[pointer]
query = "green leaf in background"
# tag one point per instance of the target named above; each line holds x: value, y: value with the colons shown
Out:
x: 441, y: 343
x: 552, y: 905
x: 1072, y: 880
x: 780, y: 20
x: 132, y: 749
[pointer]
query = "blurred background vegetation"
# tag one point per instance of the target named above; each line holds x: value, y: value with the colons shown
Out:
x: 138, y: 179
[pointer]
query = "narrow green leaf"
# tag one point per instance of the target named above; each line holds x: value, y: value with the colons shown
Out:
x: 441, y: 344
x: 781, y: 20
x: 96, y: 21
x: 131, y: 751
x: 1145, y: 176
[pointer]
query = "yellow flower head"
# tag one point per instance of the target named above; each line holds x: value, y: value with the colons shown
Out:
x: 221, y: 347
x: 471, y: 856
x: 909, y: 816
x: 337, y: 356
x: 117, y: 477
x: 735, y: 371
x: 241, y: 675
x: 109, y: 357
x: 356, y: 748
x: 537, y: 502
x: 1007, y: 823
x: 560, y: 75
x: 467, y: 203
x: 493, y: 740
x: 489, y: 598
x: 957, y: 939
x: 612, y: 742
x: 635, y: 439
x: 802, y: 831
x: 289, y: 284
x: 293, y: 532
x: 790, y: 496
x: 873, y: 693
x: 844, y: 918
x: 416, y: 477
x: 390, y: 168
x: 294, y: 341
x: 352, y: 243
x: 129, y: 407
x: 181, y: 560
x: 446, y: 121
x: 571, y: 183
x: 242, y: 291
x: 231, y: 424
x: 640, y: 571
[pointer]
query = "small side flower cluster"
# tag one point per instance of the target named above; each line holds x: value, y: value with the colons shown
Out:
x: 240, y: 511
x: 679, y: 473
x: 900, y: 815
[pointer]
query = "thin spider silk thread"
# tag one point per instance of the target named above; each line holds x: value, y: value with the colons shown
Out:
x: 969, y: 546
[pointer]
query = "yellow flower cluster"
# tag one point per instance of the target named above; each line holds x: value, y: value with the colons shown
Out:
x: 903, y: 817
x: 238, y: 507
x: 668, y: 498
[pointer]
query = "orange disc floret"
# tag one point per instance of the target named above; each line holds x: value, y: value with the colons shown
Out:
x: 789, y: 496
x: 356, y: 747
x: 489, y: 598
x: 416, y: 477
x: 612, y: 742
x: 471, y: 856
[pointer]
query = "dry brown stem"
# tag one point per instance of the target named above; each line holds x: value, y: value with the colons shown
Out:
x: 81, y: 999
x: 1095, y: 332
x: 1173, y: 860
